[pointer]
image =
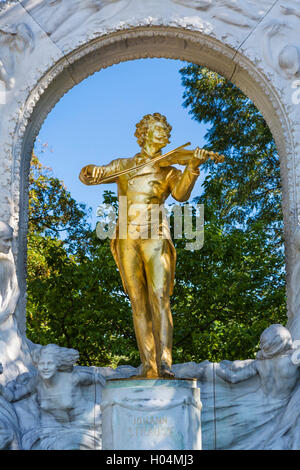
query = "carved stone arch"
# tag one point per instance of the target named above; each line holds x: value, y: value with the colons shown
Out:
x: 230, y: 40
x: 135, y: 44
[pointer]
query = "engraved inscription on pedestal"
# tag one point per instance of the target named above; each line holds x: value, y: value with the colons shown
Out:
x: 151, y: 415
x: 151, y: 425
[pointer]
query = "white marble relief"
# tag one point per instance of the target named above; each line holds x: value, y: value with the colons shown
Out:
x: 14, y: 40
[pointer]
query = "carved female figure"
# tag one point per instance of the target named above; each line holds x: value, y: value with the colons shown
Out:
x: 13, y: 352
x: 274, y: 365
x: 278, y: 374
x: 66, y: 416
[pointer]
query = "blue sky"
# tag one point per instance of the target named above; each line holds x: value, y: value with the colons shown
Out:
x: 95, y: 121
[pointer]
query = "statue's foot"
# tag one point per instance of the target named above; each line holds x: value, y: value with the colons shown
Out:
x: 165, y: 372
x: 147, y: 373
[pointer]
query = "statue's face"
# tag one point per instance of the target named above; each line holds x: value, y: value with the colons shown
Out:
x: 47, y: 365
x: 157, y: 135
x: 5, y: 242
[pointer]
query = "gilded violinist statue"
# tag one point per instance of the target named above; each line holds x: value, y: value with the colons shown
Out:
x: 147, y: 264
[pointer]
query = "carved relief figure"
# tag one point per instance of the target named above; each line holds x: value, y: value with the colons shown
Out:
x: 13, y: 352
x: 59, y: 18
x: 14, y: 41
x: 66, y: 416
x: 278, y: 375
x: 285, y: 60
x: 240, y: 13
x: 272, y: 362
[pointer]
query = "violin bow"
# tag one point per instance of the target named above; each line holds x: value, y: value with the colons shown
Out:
x: 137, y: 167
x: 154, y: 160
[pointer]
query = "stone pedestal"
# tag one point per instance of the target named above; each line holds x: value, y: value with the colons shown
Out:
x: 147, y: 414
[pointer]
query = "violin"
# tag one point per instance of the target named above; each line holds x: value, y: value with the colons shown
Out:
x: 183, y: 156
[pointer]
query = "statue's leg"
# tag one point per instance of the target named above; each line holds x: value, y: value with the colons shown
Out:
x: 157, y: 256
x: 131, y: 265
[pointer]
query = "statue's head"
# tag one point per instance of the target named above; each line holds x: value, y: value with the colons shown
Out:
x: 6, y: 236
x: 153, y: 130
x: 274, y: 340
x: 52, y: 358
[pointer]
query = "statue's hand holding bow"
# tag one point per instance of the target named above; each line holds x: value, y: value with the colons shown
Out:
x: 90, y: 174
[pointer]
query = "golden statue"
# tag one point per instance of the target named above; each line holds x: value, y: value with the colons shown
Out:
x: 147, y: 265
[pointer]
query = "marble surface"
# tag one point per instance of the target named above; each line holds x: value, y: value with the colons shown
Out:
x: 250, y: 404
x: 47, y: 47
x: 150, y: 414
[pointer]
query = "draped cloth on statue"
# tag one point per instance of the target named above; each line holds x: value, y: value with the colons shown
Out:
x: 9, y: 289
x: 9, y: 426
x: 14, y: 354
x: 286, y: 435
x: 66, y: 437
x: 244, y: 416
x: 253, y: 420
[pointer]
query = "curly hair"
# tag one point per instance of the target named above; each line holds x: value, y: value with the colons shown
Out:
x: 65, y: 358
x: 143, y: 126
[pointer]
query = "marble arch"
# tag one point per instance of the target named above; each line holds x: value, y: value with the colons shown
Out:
x: 49, y: 46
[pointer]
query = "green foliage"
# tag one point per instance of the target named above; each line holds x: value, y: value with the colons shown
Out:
x: 237, y: 281
x: 225, y: 295
x: 75, y: 296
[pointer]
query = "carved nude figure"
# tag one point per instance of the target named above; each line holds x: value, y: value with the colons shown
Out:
x: 273, y: 364
x: 66, y: 416
x: 276, y: 367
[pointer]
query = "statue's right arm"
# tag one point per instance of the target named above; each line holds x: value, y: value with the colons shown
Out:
x: 93, y: 174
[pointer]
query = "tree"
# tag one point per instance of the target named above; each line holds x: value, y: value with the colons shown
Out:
x: 237, y: 281
x: 75, y: 296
